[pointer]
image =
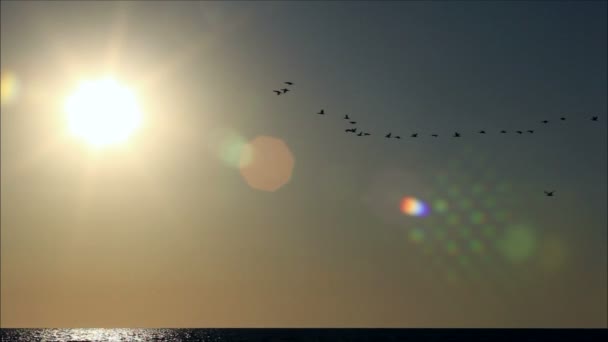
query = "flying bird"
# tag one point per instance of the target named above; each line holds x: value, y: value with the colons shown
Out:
x: 549, y: 193
x: 545, y: 121
x: 562, y: 118
x: 353, y: 122
x: 289, y: 83
x: 594, y: 118
x: 322, y: 112
x: 519, y: 132
x: 530, y: 131
x: 277, y: 91
x: 414, y: 135
x: 434, y: 135
x: 350, y: 130
x: 346, y: 117
x: 367, y: 133
x: 482, y: 132
x: 397, y: 137
x: 503, y: 131
x: 360, y: 134
x: 285, y: 90
x: 456, y: 135
x: 387, y: 136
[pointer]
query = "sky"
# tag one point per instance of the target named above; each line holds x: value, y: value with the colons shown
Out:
x: 231, y: 206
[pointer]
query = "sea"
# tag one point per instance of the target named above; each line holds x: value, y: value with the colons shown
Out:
x: 297, y: 335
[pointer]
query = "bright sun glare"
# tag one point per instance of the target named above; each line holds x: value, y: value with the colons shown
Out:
x: 102, y: 112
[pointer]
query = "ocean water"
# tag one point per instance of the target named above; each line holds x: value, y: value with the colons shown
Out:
x: 297, y: 335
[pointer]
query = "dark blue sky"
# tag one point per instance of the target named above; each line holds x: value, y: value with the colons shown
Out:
x: 331, y: 246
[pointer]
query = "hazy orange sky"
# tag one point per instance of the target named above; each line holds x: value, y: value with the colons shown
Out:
x: 231, y: 206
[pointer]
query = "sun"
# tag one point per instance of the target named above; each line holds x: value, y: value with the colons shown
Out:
x: 102, y: 112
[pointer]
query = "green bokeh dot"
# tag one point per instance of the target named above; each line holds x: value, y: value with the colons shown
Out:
x: 476, y: 246
x: 440, y: 206
x: 477, y: 217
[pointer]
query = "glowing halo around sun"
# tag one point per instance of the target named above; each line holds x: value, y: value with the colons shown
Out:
x: 414, y: 207
x: 102, y: 112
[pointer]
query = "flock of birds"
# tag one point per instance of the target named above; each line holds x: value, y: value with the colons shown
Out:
x: 358, y: 132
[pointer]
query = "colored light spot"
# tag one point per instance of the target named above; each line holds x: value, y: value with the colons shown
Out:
x: 477, y: 217
x: 476, y: 246
x: 414, y: 207
x: 440, y: 206
x: 9, y: 87
x: 266, y: 163
x: 416, y: 235
x: 234, y: 151
x: 517, y: 244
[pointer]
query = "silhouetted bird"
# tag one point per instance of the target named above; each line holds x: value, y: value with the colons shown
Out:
x: 545, y: 121
x: 289, y: 83
x: 367, y: 133
x: 285, y: 90
x: 594, y: 118
x: 353, y: 122
x: 397, y: 137
x: 503, y: 131
x: 346, y: 117
x: 563, y: 119
x: 360, y: 134
x: 277, y: 91
x: 482, y: 132
x: 353, y: 130
x: 530, y: 131
x: 456, y: 135
x: 434, y: 135
x: 519, y: 132
x: 414, y: 135
x: 322, y: 112
x: 549, y: 193
x: 387, y: 136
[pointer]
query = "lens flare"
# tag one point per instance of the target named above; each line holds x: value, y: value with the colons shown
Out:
x: 9, y: 87
x: 414, y: 207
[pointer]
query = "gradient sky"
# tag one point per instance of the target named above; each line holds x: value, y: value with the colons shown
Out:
x: 171, y: 230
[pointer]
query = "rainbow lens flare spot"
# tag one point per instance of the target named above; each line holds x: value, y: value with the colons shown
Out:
x: 414, y: 207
